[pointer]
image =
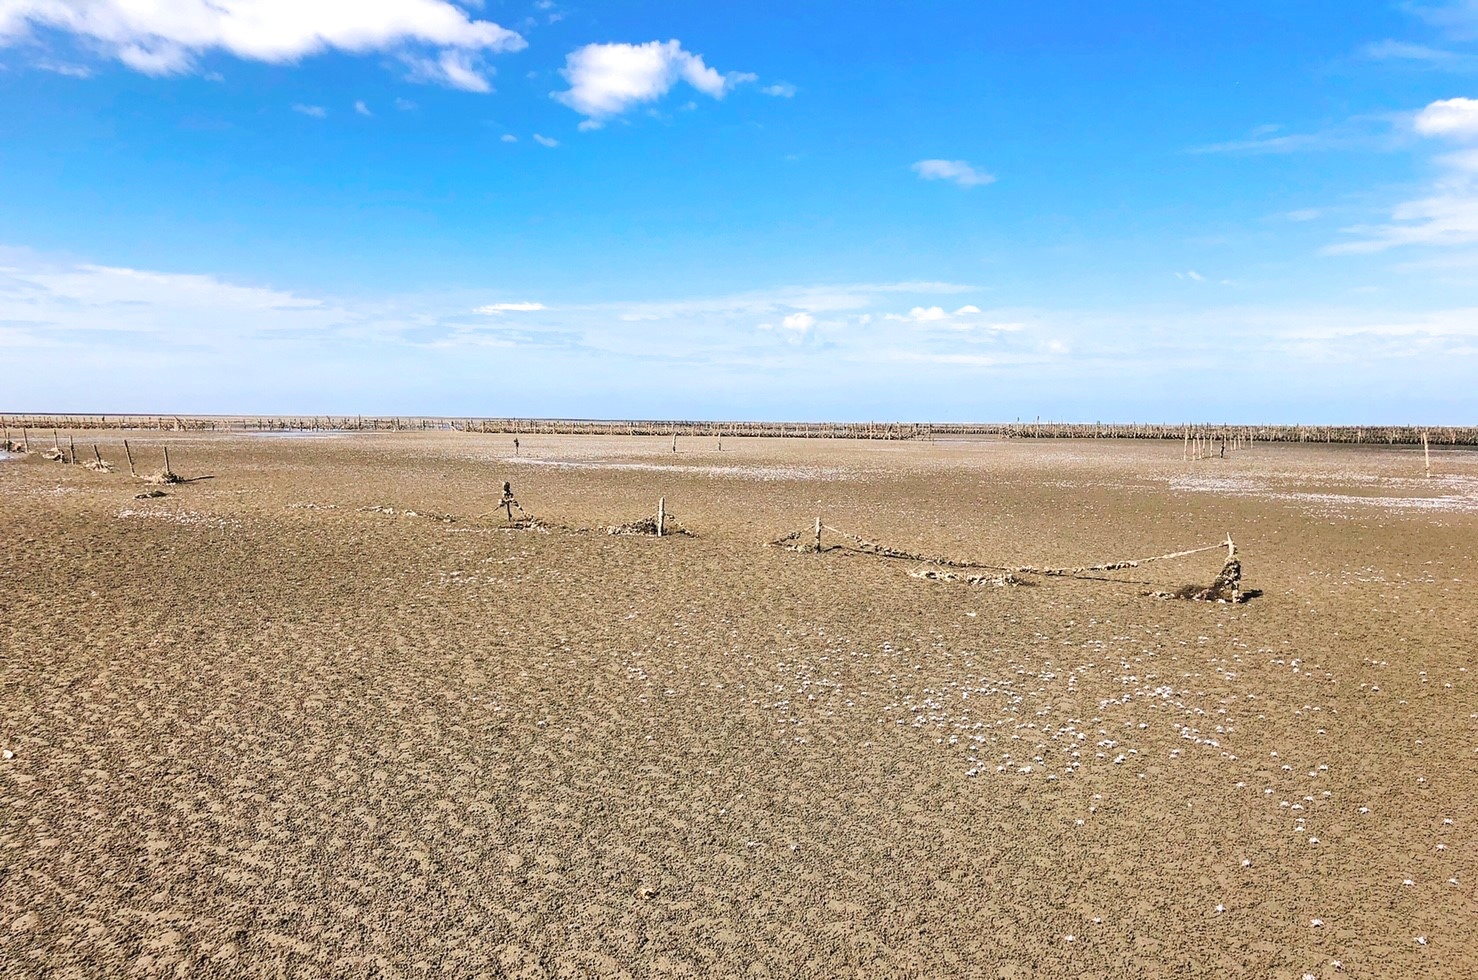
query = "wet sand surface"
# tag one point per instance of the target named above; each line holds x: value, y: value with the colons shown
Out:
x: 273, y: 725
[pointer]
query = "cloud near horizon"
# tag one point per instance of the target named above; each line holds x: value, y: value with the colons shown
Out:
x: 492, y: 309
x: 169, y: 38
x: 229, y: 346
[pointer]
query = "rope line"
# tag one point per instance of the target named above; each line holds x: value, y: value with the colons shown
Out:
x: 866, y: 546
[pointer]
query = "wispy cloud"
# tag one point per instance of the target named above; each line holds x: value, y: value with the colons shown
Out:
x: 958, y: 171
x: 1457, y: 19
x: 606, y: 80
x: 781, y: 90
x: 120, y: 328
x: 1419, y: 54
x: 316, y: 111
x: 64, y: 68
x: 1270, y: 139
x: 169, y: 38
x: 1449, y: 215
x: 453, y: 68
x: 543, y: 140
x: 492, y: 309
x: 362, y: 109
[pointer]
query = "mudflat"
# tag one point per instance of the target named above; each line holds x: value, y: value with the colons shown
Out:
x: 321, y: 715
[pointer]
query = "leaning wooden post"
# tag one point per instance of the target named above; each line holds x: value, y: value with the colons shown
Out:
x: 674, y: 440
x: 97, y: 455
x: 167, y: 470
x: 71, y: 449
x: 129, y: 453
x: 662, y: 510
x: 1427, y: 451
x: 26, y: 438
x: 818, y: 535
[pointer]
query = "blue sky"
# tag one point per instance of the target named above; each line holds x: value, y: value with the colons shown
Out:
x: 950, y: 211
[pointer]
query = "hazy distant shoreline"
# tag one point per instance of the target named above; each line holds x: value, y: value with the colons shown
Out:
x: 1239, y: 434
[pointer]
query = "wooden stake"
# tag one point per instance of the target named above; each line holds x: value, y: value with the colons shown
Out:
x: 129, y: 453
x: 674, y: 440
x: 71, y: 449
x: 1231, y: 548
x: 97, y: 455
x: 662, y: 510
x: 1427, y: 451
x: 167, y: 470
x: 26, y: 438
x: 818, y: 535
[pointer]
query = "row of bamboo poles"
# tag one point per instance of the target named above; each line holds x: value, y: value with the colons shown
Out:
x: 1237, y: 436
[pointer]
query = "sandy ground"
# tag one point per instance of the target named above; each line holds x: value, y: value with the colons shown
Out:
x: 255, y: 729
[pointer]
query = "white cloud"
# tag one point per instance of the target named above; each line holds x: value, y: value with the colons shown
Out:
x: 548, y: 141
x: 62, y: 68
x: 1457, y: 18
x: 1453, y: 118
x: 316, y: 111
x: 1439, y: 59
x: 404, y: 105
x: 1462, y: 160
x: 55, y: 301
x: 224, y: 346
x: 608, y: 79
x: 508, y: 138
x: 800, y: 322
x: 162, y: 38
x: 362, y: 109
x: 1192, y: 275
x: 1302, y: 214
x: 492, y: 309
x: 958, y: 171
x: 454, y: 69
x: 781, y: 90
x: 961, y: 319
x: 1448, y: 216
